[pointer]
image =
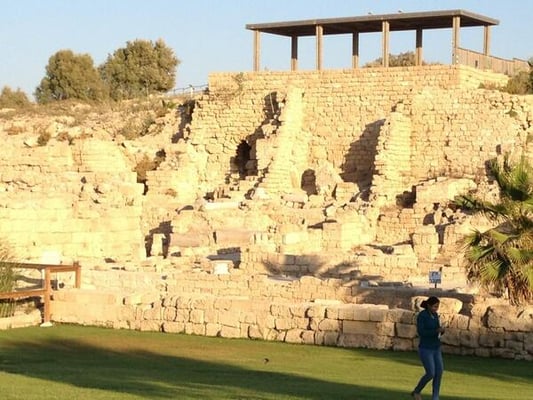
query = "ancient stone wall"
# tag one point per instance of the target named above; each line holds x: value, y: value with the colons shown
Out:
x: 308, y: 310
x: 343, y: 112
x: 81, y: 202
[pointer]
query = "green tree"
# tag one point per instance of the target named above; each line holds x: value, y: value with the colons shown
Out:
x: 10, y: 98
x: 502, y: 257
x: 141, y: 68
x: 395, y: 60
x: 70, y: 76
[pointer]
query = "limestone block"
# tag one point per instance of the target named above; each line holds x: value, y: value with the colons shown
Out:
x: 294, y: 336
x: 406, y: 330
x: 329, y: 325
x: 502, y: 353
x: 229, y: 318
x: 212, y: 329
x: 283, y: 323
x: 125, y: 313
x: 189, y: 239
x: 401, y: 344
x: 510, y: 318
x: 457, y: 321
x: 229, y: 332
x: 361, y: 312
x: 359, y: 327
x: 468, y: 339
x: 402, y: 316
x: 173, y: 327
x: 198, y: 329
x: 368, y: 341
x: 197, y: 316
x: 490, y: 339
x: 344, y: 312
x: 155, y: 313
x: 378, y: 313
x: 316, y: 311
x: 182, y: 315
x: 153, y: 326
x: 481, y: 352
x: 514, y: 345
x: 233, y: 237
x: 280, y: 310
x: 169, y: 313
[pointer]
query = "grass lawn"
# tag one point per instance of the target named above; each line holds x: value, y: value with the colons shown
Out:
x: 82, y: 363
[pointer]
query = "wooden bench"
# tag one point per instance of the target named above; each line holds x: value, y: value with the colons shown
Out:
x: 46, y: 290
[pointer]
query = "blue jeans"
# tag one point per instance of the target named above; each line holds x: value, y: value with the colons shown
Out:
x: 432, y: 362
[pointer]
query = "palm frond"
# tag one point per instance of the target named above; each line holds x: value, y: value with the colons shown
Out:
x: 490, y: 271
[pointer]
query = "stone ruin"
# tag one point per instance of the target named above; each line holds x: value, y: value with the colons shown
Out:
x: 300, y: 206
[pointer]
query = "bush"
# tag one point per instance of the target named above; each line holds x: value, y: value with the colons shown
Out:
x: 147, y: 164
x: 7, y: 280
x: 519, y: 84
x: 13, y: 98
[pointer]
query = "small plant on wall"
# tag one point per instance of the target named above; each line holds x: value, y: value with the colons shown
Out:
x: 7, y: 280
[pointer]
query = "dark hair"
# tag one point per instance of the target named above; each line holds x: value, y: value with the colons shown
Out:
x: 430, y: 301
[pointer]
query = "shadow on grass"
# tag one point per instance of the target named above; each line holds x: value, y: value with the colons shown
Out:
x: 126, y: 368
x: 504, y: 370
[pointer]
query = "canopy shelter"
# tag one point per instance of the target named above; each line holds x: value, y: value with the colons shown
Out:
x: 385, y: 23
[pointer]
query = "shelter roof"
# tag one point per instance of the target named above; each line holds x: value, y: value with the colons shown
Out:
x: 373, y: 23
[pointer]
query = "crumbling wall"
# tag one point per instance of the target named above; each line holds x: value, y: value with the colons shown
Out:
x: 79, y: 201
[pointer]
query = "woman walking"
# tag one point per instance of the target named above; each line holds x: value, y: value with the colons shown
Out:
x: 429, y: 332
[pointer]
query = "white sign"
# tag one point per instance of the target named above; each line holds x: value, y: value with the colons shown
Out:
x: 434, y: 277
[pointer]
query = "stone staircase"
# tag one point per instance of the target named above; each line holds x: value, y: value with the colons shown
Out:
x: 292, y: 143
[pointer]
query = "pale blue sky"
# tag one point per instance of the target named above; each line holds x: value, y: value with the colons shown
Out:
x: 210, y: 35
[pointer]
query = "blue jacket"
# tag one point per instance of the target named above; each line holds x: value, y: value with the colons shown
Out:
x: 427, y: 327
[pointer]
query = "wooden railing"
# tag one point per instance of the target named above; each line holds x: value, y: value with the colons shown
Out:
x: 495, y: 64
x: 46, y: 290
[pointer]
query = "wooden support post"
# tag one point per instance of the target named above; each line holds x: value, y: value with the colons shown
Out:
x: 294, y: 53
x: 418, y: 53
x: 47, y: 293
x: 257, y: 50
x: 355, y: 50
x: 78, y: 274
x: 319, y: 33
x: 385, y: 43
x: 486, y: 40
x: 456, y: 26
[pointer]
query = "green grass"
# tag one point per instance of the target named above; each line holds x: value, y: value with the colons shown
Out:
x: 82, y: 363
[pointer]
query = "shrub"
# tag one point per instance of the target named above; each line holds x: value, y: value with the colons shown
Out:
x: 13, y: 98
x: 44, y: 138
x: 7, y: 280
x: 519, y: 84
x: 147, y: 164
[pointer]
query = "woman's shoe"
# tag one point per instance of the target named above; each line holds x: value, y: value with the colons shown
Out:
x: 416, y: 396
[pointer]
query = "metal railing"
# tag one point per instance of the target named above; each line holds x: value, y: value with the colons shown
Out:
x: 190, y: 90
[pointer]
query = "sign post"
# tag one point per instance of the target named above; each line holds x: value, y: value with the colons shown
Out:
x: 435, y: 277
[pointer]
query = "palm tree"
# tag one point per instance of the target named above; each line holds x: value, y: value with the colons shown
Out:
x: 502, y: 257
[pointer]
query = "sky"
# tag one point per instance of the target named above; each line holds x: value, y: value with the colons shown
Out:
x: 209, y: 36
